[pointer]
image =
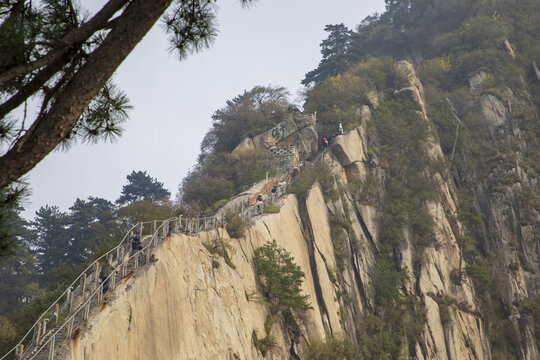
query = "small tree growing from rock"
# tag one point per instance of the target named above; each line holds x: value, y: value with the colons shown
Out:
x: 280, y: 278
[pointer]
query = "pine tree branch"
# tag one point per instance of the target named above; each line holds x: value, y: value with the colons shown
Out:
x: 51, y: 128
x: 30, y: 88
x: 77, y: 36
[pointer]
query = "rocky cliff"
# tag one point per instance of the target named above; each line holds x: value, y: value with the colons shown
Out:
x: 399, y: 278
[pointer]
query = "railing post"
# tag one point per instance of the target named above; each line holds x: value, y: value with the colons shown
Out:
x: 70, y: 327
x: 121, y: 257
x: 83, y: 283
x: 164, y: 226
x: 141, y: 225
x: 38, y: 333
x: 96, y: 274
x: 51, y: 348
x: 86, y: 313
x: 19, y: 350
x: 148, y: 255
x: 155, y: 226
x: 56, y: 313
x: 70, y: 302
x: 100, y: 293
x: 113, y: 280
x: 137, y: 261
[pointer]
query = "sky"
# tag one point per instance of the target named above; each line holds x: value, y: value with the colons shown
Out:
x: 273, y: 42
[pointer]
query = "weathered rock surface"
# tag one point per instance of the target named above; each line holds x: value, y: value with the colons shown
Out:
x: 191, y: 305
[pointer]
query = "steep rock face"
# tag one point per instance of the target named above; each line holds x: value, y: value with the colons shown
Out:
x: 186, y: 307
x: 508, y: 227
x: 180, y: 307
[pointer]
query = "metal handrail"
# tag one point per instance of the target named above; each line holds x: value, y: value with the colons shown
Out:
x: 69, y: 288
x: 189, y: 225
x: 193, y: 225
x: 99, y: 289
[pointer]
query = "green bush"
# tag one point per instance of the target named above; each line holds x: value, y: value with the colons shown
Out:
x: 365, y: 192
x: 219, y: 176
x: 263, y: 345
x: 271, y: 209
x: 478, y: 274
x: 280, y: 278
x: 334, y: 348
x: 387, y: 281
x: 319, y: 172
x: 455, y: 277
x: 222, y: 248
x: 235, y: 225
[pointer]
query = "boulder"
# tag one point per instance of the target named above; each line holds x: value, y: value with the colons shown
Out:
x: 356, y: 172
x: 475, y: 82
x: 277, y: 134
x: 494, y: 112
x: 246, y: 144
x: 349, y: 148
x: 373, y: 99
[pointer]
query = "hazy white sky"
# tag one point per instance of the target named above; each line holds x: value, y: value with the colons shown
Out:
x: 273, y: 42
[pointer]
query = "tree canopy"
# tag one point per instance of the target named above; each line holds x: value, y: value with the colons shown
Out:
x: 246, y: 115
x: 218, y: 174
x: 336, y: 54
x: 142, y: 186
x: 280, y: 278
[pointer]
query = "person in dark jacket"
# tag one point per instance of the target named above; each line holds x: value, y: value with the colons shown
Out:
x: 259, y: 202
x: 324, y: 142
x: 135, y: 243
x: 104, y: 274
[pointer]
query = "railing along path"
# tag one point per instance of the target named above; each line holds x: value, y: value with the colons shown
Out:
x: 71, y: 310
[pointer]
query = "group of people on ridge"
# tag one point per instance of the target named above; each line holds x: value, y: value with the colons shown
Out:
x: 259, y: 201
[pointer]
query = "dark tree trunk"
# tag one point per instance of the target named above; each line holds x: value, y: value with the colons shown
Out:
x: 47, y: 131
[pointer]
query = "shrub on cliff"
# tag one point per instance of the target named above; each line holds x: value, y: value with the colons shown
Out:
x: 235, y: 225
x: 280, y: 278
x: 332, y: 349
x: 320, y: 172
x: 219, y: 176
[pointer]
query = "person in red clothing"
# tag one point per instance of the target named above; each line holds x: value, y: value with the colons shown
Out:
x: 324, y: 143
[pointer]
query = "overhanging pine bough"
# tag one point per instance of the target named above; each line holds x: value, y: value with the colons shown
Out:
x: 56, y: 124
x: 66, y: 79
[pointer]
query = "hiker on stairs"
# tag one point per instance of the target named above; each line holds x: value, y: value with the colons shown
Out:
x: 104, y: 274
